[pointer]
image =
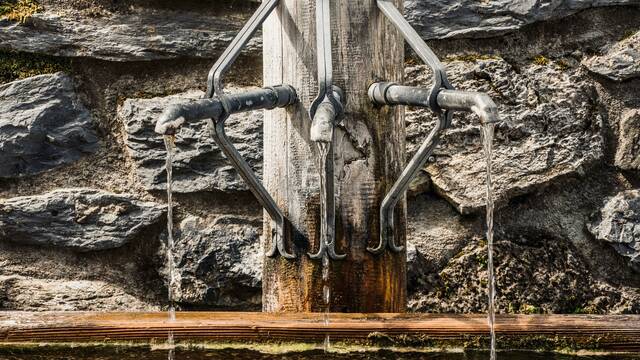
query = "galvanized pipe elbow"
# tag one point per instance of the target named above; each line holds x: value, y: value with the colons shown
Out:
x: 479, y: 103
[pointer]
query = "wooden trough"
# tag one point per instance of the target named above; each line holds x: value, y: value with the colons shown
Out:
x: 620, y: 333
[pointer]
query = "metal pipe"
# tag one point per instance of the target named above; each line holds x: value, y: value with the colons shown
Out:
x: 476, y: 102
x: 173, y: 117
x: 388, y: 93
x: 266, y: 98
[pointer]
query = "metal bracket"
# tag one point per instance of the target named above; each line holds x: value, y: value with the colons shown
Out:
x: 217, y: 110
x: 412, y: 169
x: 393, y: 94
x: 277, y: 217
x: 400, y: 187
x: 324, y: 110
x: 384, y: 93
x: 215, y: 87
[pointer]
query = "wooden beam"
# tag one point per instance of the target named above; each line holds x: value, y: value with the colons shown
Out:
x: 609, y: 333
x: 369, y: 156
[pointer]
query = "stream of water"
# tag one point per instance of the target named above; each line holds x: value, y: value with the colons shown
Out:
x: 169, y: 142
x: 487, y: 141
x: 324, y: 149
x: 326, y: 295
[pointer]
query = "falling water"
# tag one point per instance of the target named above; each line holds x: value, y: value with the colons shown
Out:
x: 487, y: 140
x: 326, y: 295
x: 169, y: 142
x: 324, y: 149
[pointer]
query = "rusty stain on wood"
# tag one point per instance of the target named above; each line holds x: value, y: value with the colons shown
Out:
x: 603, y: 332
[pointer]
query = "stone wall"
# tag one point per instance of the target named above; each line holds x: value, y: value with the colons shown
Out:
x: 82, y: 208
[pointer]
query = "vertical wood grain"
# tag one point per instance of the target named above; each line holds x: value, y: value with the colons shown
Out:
x: 369, y: 153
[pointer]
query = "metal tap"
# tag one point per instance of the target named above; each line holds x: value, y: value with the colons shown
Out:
x: 218, y: 106
x: 217, y: 110
x: 324, y: 111
x: 441, y: 98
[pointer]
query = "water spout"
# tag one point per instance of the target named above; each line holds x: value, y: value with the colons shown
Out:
x: 478, y: 103
x: 323, y: 123
x: 220, y: 107
x: 173, y: 117
x: 388, y: 93
x: 322, y: 129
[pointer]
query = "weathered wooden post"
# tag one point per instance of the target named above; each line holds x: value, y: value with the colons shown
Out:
x: 369, y: 155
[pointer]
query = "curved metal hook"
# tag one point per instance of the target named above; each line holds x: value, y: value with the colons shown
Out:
x: 400, y: 186
x: 245, y: 171
x: 324, y: 110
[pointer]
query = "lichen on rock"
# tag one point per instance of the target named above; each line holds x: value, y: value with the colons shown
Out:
x: 18, y: 10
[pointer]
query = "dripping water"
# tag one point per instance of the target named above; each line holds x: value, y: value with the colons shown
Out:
x: 326, y: 296
x: 487, y: 140
x: 324, y: 149
x: 169, y: 142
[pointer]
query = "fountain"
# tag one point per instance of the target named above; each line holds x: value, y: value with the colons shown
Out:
x: 334, y: 234
x: 327, y: 107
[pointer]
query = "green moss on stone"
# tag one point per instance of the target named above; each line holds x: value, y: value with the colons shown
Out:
x: 18, y: 10
x: 473, y: 57
x: 541, y: 60
x: 629, y: 33
x: 562, y: 64
x: 529, y: 309
x: 15, y: 66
